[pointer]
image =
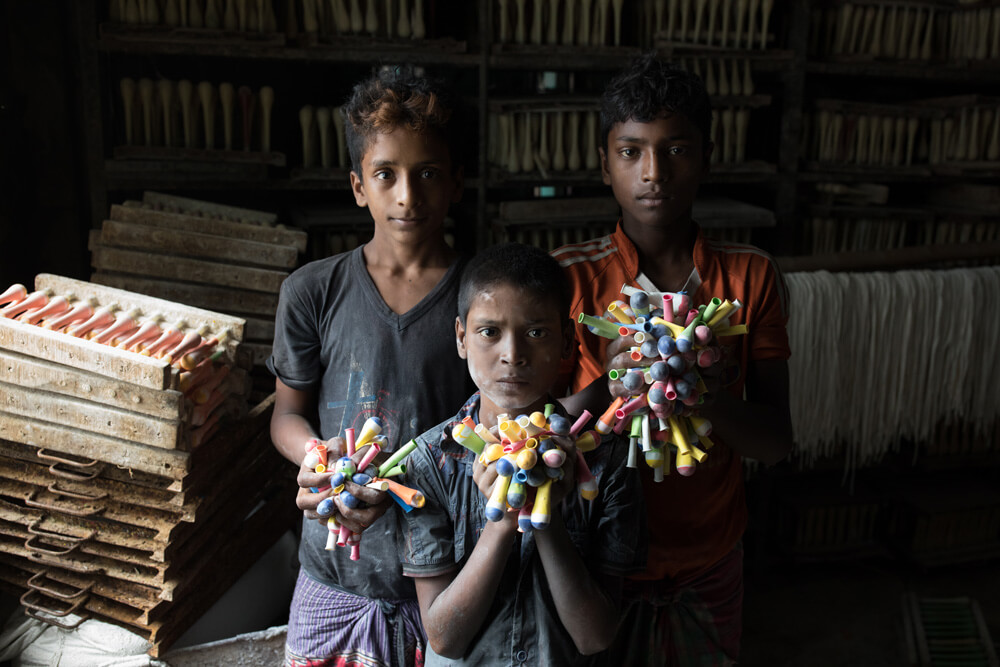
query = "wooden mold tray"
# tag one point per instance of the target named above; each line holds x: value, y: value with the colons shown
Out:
x: 86, y: 555
x: 54, y: 594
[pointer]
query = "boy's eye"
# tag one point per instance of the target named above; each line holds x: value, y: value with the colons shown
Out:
x: 537, y: 333
x: 488, y: 332
x: 678, y: 150
x: 628, y: 151
x: 383, y: 175
x: 428, y: 173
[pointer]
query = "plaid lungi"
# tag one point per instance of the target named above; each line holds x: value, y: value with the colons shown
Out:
x: 328, y: 627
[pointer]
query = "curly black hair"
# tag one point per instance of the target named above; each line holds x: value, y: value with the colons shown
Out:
x: 397, y: 96
x: 521, y: 266
x: 649, y: 87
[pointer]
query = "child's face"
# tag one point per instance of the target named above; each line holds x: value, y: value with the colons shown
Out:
x: 408, y: 184
x: 514, y: 342
x: 655, y: 169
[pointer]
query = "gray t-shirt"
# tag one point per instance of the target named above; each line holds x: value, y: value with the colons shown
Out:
x: 334, y: 334
x: 522, y: 627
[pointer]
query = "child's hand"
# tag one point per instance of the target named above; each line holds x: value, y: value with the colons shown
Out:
x: 618, y: 357
x: 306, y: 500
x: 717, y: 376
x: 485, y: 477
x: 567, y: 484
x: 373, y: 504
x: 308, y: 479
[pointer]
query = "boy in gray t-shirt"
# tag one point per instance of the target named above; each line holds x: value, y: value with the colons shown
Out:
x: 490, y: 595
x: 369, y: 333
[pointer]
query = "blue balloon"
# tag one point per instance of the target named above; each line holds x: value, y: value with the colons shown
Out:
x: 326, y: 507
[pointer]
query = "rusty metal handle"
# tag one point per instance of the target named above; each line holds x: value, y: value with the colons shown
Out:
x: 51, y: 621
x: 34, y: 583
x: 44, y: 455
x: 35, y: 530
x: 75, y: 476
x: 35, y: 548
x: 54, y: 488
x: 46, y: 610
x: 30, y: 501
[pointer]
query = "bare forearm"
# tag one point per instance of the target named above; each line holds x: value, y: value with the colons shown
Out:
x: 586, y: 610
x: 593, y: 397
x: 289, y: 433
x: 755, y: 430
x: 457, y: 613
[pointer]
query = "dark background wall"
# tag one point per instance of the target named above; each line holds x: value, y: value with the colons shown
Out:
x: 43, y: 219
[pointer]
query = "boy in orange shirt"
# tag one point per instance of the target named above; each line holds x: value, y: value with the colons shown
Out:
x: 655, y: 149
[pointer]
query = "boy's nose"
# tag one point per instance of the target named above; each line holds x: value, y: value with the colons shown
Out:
x: 511, y: 353
x: 653, y: 168
x: 407, y: 194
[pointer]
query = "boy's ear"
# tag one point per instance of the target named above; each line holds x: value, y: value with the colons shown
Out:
x: 460, y: 338
x: 358, y: 188
x: 605, y: 174
x: 568, y: 338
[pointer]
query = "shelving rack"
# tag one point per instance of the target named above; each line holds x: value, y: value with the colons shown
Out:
x: 815, y: 50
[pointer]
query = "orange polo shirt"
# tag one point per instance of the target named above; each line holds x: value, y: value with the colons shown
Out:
x: 693, y: 521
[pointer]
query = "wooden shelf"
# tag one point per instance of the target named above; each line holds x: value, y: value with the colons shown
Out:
x: 901, y: 258
x: 164, y: 174
x: 971, y: 71
x: 557, y: 57
x: 174, y: 155
x: 155, y: 40
x: 823, y: 172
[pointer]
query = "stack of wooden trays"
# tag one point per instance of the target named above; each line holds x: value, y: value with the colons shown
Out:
x: 111, y: 506
x: 223, y: 258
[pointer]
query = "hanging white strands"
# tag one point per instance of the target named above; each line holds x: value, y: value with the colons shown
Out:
x: 882, y: 357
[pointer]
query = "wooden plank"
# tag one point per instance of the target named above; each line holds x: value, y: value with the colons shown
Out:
x: 910, y: 257
x: 138, y: 213
x: 259, y: 352
x: 260, y: 329
x: 92, y: 417
x: 39, y: 474
x: 201, y: 296
x: 189, y: 270
x: 173, y: 311
x: 194, y: 244
x: 177, y: 154
x: 163, y: 462
x: 33, y: 373
x: 80, y: 353
x: 559, y: 209
x: 211, y: 209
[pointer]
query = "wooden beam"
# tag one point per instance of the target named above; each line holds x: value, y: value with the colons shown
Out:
x: 137, y: 212
x: 34, y: 373
x: 125, y: 298
x: 211, y: 297
x: 34, y: 341
x: 195, y: 244
x: 163, y: 462
x: 188, y: 270
x: 214, y: 210
x: 93, y: 417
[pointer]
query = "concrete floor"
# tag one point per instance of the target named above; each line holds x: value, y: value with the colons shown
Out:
x: 839, y: 614
x: 848, y: 614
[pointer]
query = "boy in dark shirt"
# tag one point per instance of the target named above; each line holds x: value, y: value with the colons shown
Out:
x: 488, y: 594
x: 368, y: 333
